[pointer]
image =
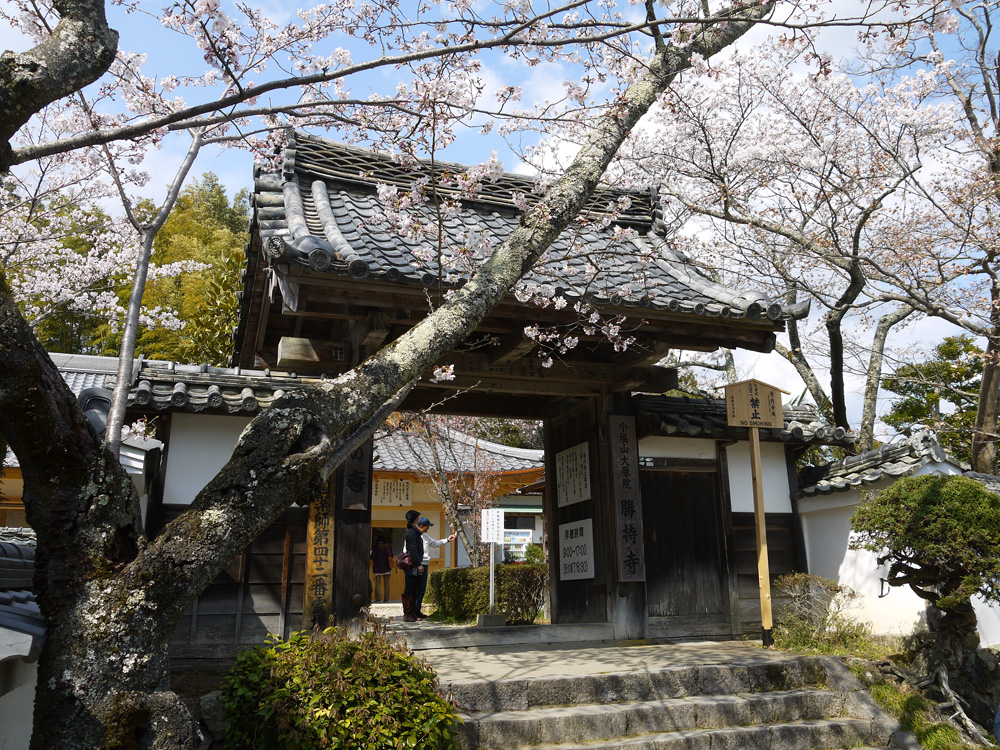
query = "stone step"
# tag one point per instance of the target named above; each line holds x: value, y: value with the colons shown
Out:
x: 586, y: 723
x: 652, y: 684
x: 809, y: 734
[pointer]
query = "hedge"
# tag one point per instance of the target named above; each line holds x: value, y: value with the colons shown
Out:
x: 463, y: 593
x: 336, y: 690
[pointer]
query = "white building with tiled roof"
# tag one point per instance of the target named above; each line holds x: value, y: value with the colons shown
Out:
x: 827, y: 497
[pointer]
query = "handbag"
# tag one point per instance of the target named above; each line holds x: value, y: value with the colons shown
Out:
x: 404, y: 561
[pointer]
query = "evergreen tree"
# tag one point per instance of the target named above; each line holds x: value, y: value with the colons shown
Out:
x: 940, y: 392
x: 205, y: 227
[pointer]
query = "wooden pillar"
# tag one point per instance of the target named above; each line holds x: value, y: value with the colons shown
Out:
x: 352, y: 537
x: 318, y: 600
x: 760, y: 518
x: 626, y: 567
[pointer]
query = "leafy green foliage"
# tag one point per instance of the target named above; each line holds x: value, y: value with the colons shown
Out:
x: 941, y: 392
x: 517, y: 433
x: 204, y: 227
x: 208, y: 335
x: 915, y: 714
x: 940, y: 535
x: 463, y: 593
x: 335, y: 689
x: 534, y: 555
x: 813, y: 616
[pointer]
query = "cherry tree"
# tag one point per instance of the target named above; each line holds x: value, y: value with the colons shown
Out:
x: 796, y: 181
x: 956, y: 53
x: 465, y: 478
x: 111, y: 596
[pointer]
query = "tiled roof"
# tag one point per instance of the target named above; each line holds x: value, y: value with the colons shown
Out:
x: 168, y: 385
x: 405, y: 451
x: 322, y: 212
x: 890, y: 461
x: 682, y: 416
x: 159, y: 386
x: 989, y: 481
x: 18, y: 609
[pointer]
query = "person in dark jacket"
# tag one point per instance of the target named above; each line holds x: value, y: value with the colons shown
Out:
x: 381, y: 558
x: 414, y: 545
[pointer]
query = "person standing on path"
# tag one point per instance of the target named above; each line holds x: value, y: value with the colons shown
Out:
x: 381, y: 558
x: 414, y: 546
x: 429, y: 542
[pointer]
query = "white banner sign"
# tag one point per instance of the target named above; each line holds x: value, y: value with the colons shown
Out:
x: 492, y: 526
x: 573, y: 475
x: 398, y: 492
x: 576, y: 550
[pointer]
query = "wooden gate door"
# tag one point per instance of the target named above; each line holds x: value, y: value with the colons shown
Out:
x: 686, y: 572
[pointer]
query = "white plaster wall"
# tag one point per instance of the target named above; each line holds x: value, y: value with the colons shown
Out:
x: 17, y: 704
x: 827, y: 533
x: 826, y: 525
x: 200, y: 445
x: 774, y: 472
x: 772, y: 457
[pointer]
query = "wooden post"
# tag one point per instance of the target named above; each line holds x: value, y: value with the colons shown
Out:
x: 753, y: 404
x: 318, y: 600
x: 763, y: 573
x: 352, y: 533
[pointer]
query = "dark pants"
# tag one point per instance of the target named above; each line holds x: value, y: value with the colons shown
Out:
x: 411, y: 584
x: 422, y: 587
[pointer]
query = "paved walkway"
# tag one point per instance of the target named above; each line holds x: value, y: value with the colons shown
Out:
x: 571, y: 659
x: 460, y: 653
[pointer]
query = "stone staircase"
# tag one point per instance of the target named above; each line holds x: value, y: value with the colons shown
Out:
x: 794, y: 703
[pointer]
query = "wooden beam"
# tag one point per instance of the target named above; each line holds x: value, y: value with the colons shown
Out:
x: 645, y: 353
x: 367, y: 336
x: 532, y: 368
x: 477, y: 403
x: 513, y: 346
x: 310, y: 354
x: 645, y: 379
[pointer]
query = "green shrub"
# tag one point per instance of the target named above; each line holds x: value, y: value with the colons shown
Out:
x: 812, y: 616
x: 335, y: 689
x: 463, y: 593
x: 534, y: 555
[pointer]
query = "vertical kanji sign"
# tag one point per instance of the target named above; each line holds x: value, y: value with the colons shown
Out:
x: 356, y: 470
x: 753, y: 404
x: 318, y: 604
x: 627, y: 499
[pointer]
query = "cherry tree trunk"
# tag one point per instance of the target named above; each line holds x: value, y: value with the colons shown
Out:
x: 984, y: 437
x: 111, y: 597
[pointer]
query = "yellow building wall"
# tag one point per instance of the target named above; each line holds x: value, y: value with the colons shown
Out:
x: 393, y: 518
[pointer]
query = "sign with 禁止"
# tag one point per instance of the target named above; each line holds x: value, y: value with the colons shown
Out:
x: 752, y: 403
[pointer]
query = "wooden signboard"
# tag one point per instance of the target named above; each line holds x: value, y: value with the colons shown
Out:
x: 628, y: 502
x: 355, y: 475
x: 318, y: 604
x: 573, y: 475
x: 751, y: 403
x: 754, y: 404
